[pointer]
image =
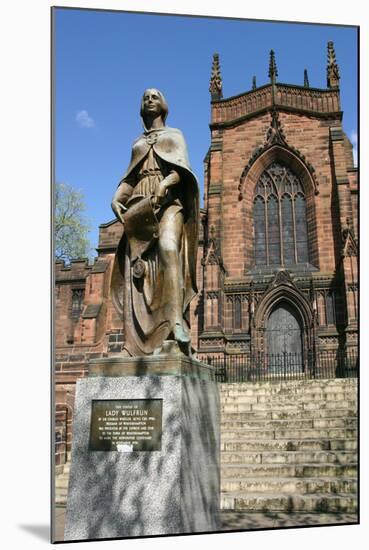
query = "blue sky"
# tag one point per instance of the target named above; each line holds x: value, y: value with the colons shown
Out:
x: 104, y: 61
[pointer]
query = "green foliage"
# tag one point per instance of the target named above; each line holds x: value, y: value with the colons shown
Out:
x: 70, y: 226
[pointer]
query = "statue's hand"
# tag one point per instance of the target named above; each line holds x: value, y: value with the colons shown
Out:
x: 161, y: 191
x: 118, y: 210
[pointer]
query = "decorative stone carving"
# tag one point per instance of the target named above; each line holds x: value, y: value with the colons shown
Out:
x: 275, y: 137
x: 275, y: 134
x: 282, y: 277
x: 216, y: 80
x: 333, y: 75
x: 231, y: 298
x: 273, y: 72
x: 212, y: 255
x: 306, y: 79
x: 237, y: 346
x: 331, y: 341
x: 212, y: 295
x: 211, y: 342
x: 349, y: 243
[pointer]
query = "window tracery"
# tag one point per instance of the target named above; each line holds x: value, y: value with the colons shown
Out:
x: 280, y: 227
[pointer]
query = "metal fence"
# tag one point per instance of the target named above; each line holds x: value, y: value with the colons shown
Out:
x: 259, y: 366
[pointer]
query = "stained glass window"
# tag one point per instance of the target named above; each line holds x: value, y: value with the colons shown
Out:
x: 287, y: 230
x: 280, y: 225
x: 274, y: 241
x: 301, y: 229
x: 259, y: 226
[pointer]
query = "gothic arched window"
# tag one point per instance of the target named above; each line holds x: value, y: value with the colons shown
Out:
x: 280, y: 228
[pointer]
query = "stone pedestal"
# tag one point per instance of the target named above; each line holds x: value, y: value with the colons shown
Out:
x: 175, y: 489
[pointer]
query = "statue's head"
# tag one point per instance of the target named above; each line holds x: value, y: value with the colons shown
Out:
x: 153, y: 104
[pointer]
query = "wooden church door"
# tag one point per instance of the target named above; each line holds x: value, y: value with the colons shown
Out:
x: 284, y: 339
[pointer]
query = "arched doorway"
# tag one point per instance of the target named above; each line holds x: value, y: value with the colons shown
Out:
x: 284, y: 339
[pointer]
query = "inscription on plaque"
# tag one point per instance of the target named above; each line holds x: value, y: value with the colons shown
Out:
x: 126, y: 425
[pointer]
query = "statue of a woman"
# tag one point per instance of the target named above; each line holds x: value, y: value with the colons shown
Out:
x: 157, y: 201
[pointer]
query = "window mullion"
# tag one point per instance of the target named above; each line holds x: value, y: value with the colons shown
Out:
x: 294, y: 228
x: 266, y: 230
x: 281, y: 251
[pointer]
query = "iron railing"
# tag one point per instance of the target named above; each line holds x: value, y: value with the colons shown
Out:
x: 259, y: 366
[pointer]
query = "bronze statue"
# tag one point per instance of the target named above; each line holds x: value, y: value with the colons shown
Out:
x: 157, y: 201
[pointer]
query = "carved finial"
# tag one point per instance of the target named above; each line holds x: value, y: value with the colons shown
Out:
x: 215, y: 80
x: 346, y: 228
x: 254, y: 82
x: 349, y: 243
x: 306, y: 79
x: 275, y: 132
x: 273, y: 73
x: 333, y: 75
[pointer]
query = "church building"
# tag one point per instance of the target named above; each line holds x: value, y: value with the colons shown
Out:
x: 279, y: 258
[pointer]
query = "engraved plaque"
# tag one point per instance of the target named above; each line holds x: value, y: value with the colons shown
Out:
x: 126, y: 425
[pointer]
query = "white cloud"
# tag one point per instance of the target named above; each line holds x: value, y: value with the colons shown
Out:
x: 353, y: 139
x: 84, y: 120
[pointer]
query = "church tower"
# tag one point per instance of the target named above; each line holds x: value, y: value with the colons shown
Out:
x: 279, y: 259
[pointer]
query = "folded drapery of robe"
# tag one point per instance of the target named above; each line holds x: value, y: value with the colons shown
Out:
x: 140, y: 226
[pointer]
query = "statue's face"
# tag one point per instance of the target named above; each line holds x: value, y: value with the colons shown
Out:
x: 152, y: 104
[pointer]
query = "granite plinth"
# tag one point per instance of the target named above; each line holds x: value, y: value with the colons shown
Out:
x: 174, y: 490
x: 160, y: 365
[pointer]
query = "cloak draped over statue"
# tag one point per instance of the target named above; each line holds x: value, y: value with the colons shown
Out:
x: 153, y: 286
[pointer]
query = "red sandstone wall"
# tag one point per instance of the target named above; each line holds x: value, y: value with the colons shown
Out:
x: 233, y: 217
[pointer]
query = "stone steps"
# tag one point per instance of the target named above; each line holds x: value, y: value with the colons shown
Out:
x: 270, y: 414
x: 291, y: 386
x: 289, y: 457
x: 278, y: 384
x: 61, y: 486
x: 269, y: 406
x: 308, y: 398
x: 61, y: 496
x: 330, y: 433
x: 231, y: 471
x: 61, y: 482
x: 306, y: 423
x: 281, y: 394
x: 289, y: 485
x: 66, y: 469
x: 339, y: 503
x: 289, y: 446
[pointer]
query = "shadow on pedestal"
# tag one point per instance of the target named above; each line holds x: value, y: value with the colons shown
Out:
x: 173, y: 490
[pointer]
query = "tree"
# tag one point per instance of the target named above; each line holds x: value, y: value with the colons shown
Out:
x: 70, y: 226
